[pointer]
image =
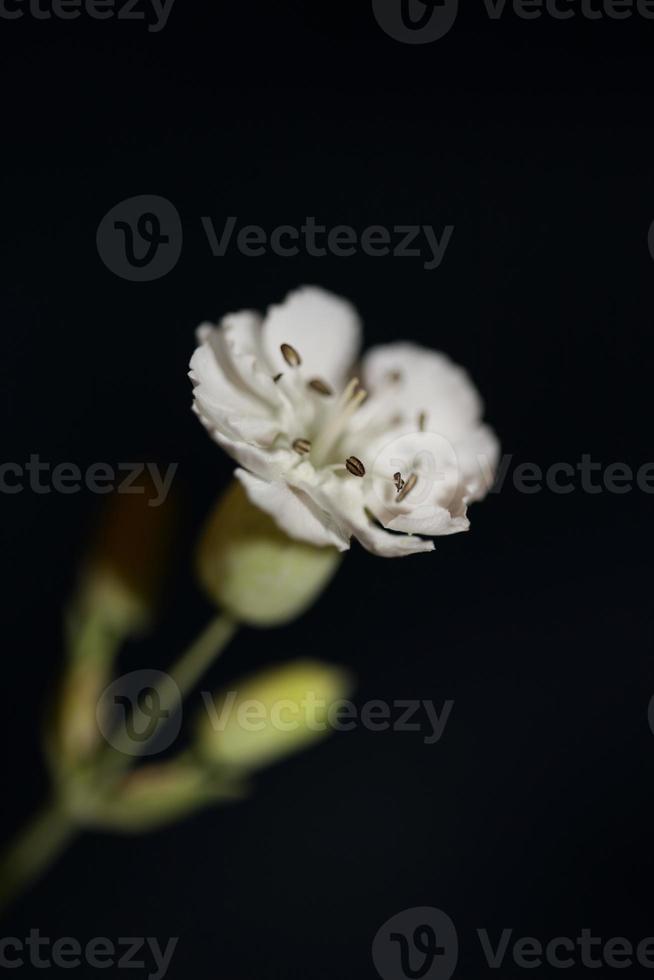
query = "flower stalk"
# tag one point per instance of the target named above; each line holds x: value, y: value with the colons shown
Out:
x: 82, y: 796
x: 33, y: 850
x: 255, y: 575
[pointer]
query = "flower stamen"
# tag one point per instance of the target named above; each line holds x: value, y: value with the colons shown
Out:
x: 399, y: 482
x: 302, y: 446
x: 343, y: 411
x: 406, y: 488
x: 355, y: 466
x: 317, y: 384
x: 349, y: 392
x: 290, y: 355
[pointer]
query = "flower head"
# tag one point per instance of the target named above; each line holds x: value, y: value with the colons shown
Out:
x: 386, y: 454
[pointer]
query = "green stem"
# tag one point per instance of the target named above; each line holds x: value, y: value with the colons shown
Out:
x: 37, y: 846
x: 201, y: 654
x: 33, y: 850
x: 185, y: 674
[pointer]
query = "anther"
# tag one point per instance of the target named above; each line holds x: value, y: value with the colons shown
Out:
x: 290, y: 355
x: 302, y: 446
x: 399, y: 482
x: 422, y: 421
x: 355, y: 466
x: 277, y: 377
x: 407, y: 488
x: 320, y: 386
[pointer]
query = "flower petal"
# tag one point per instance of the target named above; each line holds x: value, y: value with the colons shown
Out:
x: 386, y: 545
x: 436, y: 522
x: 478, y: 455
x: 415, y: 486
x: 425, y: 389
x: 269, y: 464
x: 230, y: 384
x: 345, y: 497
x: 294, y: 511
x: 324, y: 330
x: 237, y: 344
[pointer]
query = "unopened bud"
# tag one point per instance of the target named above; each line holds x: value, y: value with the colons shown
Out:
x: 253, y: 571
x: 272, y: 714
x: 122, y: 575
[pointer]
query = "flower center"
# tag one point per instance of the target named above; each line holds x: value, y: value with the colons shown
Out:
x: 336, y: 422
x: 322, y: 429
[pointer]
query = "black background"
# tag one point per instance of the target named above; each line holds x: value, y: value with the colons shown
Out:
x: 533, y: 138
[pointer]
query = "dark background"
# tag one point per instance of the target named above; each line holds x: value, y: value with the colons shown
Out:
x: 534, y: 140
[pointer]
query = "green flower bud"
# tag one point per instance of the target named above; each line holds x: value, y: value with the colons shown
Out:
x: 122, y: 574
x: 254, y: 571
x: 271, y: 714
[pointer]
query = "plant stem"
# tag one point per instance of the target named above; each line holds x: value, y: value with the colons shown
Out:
x: 197, y: 659
x: 185, y: 674
x: 33, y: 850
x: 38, y: 845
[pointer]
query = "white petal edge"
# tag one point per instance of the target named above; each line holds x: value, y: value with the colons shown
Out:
x: 478, y: 456
x: 293, y: 511
x: 269, y: 464
x: 419, y: 380
x: 324, y: 329
x: 346, y: 500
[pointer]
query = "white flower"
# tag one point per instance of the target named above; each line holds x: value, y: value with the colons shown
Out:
x: 396, y: 455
